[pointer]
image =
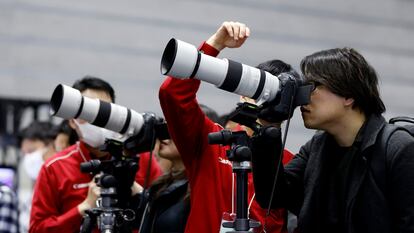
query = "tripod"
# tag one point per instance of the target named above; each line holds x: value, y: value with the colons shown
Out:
x: 112, y: 214
x: 240, y: 155
x: 108, y: 217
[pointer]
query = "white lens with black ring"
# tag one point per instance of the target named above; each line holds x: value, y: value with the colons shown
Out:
x: 179, y: 59
x: 65, y: 102
x: 270, y: 89
x: 68, y: 103
x: 134, y: 127
x: 249, y: 81
x: 117, y: 118
x: 90, y: 109
x: 212, y: 70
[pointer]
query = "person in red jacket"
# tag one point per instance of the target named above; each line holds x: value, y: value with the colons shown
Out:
x: 62, y: 192
x: 208, y: 169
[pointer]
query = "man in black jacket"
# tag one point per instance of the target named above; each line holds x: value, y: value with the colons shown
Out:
x: 343, y: 179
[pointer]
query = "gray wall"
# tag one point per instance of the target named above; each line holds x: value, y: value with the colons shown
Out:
x: 47, y: 42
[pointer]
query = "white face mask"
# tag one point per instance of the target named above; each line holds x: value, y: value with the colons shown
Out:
x: 95, y: 136
x: 32, y: 162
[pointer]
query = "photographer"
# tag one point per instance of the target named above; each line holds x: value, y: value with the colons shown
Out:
x: 166, y: 204
x: 62, y: 192
x: 344, y: 179
x: 208, y: 169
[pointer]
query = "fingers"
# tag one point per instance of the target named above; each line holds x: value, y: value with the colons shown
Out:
x: 95, y: 189
x: 228, y: 26
x: 247, y: 32
x: 236, y: 30
x: 229, y: 35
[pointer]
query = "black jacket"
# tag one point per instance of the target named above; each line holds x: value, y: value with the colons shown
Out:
x: 167, y: 211
x: 380, y: 193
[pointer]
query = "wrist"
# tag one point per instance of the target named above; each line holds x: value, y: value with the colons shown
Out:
x: 136, y: 189
x: 84, y: 206
x: 215, y: 44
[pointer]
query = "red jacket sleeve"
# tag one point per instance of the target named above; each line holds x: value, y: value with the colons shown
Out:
x: 187, y: 124
x: 44, y: 216
x: 208, y: 170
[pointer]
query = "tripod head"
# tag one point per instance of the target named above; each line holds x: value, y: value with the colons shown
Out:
x: 240, y: 154
x: 117, y: 177
x: 239, y: 142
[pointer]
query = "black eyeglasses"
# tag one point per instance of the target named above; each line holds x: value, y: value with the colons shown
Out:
x: 314, y: 84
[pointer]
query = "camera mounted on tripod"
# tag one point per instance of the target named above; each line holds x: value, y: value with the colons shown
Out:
x: 138, y: 132
x: 116, y: 178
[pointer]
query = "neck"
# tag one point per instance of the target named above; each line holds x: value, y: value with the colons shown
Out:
x: 177, y: 165
x: 50, y: 151
x: 346, y: 130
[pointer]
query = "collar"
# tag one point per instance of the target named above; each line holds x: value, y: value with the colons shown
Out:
x: 370, y: 131
x: 83, y: 151
x: 86, y: 154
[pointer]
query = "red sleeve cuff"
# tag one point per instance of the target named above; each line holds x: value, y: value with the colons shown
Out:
x: 208, y: 49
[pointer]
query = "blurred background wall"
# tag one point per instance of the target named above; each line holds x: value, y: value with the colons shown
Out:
x: 47, y: 42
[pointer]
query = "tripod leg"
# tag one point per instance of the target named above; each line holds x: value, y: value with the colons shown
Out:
x: 89, y: 222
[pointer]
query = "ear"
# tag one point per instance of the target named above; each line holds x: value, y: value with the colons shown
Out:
x: 72, y: 124
x: 349, y: 102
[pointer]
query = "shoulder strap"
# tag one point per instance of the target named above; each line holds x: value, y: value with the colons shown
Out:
x: 379, y: 164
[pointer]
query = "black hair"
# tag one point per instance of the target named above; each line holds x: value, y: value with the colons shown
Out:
x: 225, y: 118
x: 346, y: 73
x: 210, y: 113
x: 276, y: 67
x: 94, y: 83
x: 38, y: 130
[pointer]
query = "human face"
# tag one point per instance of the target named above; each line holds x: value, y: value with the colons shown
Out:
x: 168, y: 150
x: 31, y: 145
x: 325, y: 109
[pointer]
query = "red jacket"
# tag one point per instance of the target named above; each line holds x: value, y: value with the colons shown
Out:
x: 61, y: 187
x: 208, y: 169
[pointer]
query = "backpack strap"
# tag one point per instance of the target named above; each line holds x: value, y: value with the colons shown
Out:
x: 402, y: 119
x: 380, y: 163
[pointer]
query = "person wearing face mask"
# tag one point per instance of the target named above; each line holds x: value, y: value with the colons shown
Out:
x: 62, y: 192
x: 36, y: 146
